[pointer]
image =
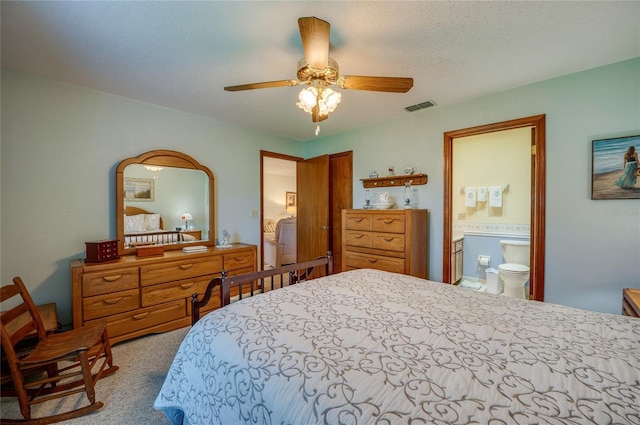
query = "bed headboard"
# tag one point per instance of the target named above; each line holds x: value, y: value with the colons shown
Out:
x: 129, y: 210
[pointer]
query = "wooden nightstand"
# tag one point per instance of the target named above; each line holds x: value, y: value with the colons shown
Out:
x: 631, y: 302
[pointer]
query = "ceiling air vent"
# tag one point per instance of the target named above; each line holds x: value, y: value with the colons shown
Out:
x: 423, y: 105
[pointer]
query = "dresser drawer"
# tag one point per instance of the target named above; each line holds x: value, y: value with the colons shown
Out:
x: 363, y: 261
x: 183, y: 289
x: 388, y: 241
x: 356, y: 238
x: 185, y: 269
x: 356, y: 221
x: 107, y: 304
x: 388, y: 223
x: 105, y: 282
x: 238, y: 261
x: 145, y: 318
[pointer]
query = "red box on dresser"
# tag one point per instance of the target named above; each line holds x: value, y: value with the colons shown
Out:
x: 103, y: 250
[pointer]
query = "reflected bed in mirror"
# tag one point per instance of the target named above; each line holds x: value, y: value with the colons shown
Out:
x: 142, y: 227
x: 156, y: 193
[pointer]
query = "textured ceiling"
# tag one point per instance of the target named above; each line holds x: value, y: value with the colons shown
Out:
x: 181, y: 54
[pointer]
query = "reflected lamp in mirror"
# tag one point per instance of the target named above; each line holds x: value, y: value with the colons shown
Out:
x: 186, y: 217
x: 291, y: 210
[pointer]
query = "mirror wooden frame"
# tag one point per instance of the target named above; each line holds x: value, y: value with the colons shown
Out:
x: 161, y: 158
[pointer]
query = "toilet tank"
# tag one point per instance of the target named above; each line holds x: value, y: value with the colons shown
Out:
x: 515, y: 251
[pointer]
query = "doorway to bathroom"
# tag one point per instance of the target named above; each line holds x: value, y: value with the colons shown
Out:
x: 494, y: 188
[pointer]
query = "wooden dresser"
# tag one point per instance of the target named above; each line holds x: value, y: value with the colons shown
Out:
x: 143, y: 295
x: 391, y: 240
x: 631, y: 302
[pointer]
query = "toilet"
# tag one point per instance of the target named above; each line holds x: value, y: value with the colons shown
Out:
x: 514, y: 273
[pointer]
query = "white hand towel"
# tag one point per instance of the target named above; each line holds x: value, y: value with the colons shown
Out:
x: 470, y: 197
x: 495, y: 196
x: 482, y: 194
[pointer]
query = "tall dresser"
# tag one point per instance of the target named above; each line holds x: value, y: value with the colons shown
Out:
x: 143, y: 295
x: 391, y: 240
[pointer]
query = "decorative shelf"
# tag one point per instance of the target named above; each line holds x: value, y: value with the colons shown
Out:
x: 416, y: 179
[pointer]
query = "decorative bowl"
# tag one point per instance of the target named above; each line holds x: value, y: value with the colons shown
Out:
x: 382, y: 206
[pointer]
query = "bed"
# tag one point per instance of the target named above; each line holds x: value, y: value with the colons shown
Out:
x: 142, y: 227
x: 372, y: 347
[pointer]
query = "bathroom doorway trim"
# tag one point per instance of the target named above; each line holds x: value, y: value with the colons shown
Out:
x: 538, y: 193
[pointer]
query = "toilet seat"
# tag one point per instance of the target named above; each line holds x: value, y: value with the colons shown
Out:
x: 513, y: 268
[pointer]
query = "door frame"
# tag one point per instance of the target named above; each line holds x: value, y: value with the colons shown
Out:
x: 538, y: 193
x: 276, y: 155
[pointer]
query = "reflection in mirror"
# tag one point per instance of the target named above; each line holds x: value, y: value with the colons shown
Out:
x: 163, y: 197
x: 165, y: 205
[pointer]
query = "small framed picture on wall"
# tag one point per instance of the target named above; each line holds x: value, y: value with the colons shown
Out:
x: 291, y: 201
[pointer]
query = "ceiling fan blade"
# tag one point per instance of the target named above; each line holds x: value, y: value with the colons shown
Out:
x: 265, y: 85
x: 387, y: 84
x: 314, y: 33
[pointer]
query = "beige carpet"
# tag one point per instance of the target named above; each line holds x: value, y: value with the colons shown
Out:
x: 128, y: 395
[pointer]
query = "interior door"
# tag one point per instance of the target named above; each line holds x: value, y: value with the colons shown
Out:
x: 313, y: 207
x: 340, y: 197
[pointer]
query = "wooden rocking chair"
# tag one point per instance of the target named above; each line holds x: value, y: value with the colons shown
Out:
x: 59, y: 364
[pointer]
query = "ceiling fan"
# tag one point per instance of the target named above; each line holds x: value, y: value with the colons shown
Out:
x: 318, y: 71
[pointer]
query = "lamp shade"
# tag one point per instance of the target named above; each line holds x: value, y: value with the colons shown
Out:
x: 186, y: 216
x: 326, y: 99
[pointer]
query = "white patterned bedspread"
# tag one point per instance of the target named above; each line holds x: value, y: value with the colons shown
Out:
x: 370, y: 347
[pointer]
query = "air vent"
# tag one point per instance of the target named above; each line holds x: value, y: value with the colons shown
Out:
x: 423, y: 105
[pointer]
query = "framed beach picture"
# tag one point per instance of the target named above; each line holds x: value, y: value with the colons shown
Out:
x: 615, y: 171
x: 138, y: 189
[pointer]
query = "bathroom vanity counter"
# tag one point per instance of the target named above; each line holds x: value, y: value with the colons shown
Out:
x: 631, y: 302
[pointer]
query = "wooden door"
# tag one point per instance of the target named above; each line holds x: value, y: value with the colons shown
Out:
x: 340, y: 197
x: 313, y: 224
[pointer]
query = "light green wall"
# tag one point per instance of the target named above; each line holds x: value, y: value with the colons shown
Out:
x: 60, y: 147
x: 592, y: 247
x: 61, y: 144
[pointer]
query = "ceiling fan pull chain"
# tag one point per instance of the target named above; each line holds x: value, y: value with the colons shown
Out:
x: 317, y: 129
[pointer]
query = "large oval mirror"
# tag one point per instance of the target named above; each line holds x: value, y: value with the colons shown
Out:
x: 164, y: 198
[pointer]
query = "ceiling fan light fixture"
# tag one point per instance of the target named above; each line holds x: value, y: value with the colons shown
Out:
x: 326, y: 99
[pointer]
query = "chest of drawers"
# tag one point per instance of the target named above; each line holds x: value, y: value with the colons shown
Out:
x: 391, y: 240
x: 138, y: 295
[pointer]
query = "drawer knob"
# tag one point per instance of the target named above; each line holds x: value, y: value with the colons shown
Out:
x: 186, y: 266
x: 358, y: 236
x: 111, y: 278
x: 358, y: 220
x: 388, y: 221
x: 387, y: 239
x: 186, y: 285
x: 372, y: 260
x: 140, y: 316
